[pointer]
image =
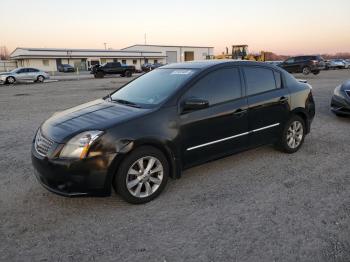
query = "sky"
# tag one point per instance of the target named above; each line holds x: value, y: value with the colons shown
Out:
x: 281, y: 26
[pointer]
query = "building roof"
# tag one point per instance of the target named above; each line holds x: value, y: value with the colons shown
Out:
x: 23, y: 52
x: 180, y: 46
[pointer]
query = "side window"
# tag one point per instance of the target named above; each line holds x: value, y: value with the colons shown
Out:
x: 278, y: 79
x: 259, y: 80
x: 219, y: 86
x: 289, y: 61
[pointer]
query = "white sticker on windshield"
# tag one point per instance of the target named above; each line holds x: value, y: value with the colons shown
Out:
x: 182, y: 72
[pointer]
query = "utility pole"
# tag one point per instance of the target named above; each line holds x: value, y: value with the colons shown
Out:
x: 145, y: 39
x: 105, y: 44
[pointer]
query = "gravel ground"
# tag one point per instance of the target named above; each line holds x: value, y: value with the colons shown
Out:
x: 260, y: 205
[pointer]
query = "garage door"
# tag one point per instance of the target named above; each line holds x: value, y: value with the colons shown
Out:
x: 171, y: 57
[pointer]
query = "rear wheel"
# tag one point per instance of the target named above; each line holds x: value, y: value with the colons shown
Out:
x: 142, y: 175
x: 10, y: 80
x: 306, y: 70
x: 128, y: 73
x: 40, y: 79
x: 293, y: 135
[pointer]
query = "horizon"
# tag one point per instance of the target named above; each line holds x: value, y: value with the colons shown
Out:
x: 284, y: 28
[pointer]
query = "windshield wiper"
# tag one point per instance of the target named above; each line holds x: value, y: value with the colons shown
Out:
x: 124, y: 102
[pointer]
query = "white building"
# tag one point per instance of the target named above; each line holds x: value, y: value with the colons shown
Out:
x: 175, y: 54
x: 48, y: 59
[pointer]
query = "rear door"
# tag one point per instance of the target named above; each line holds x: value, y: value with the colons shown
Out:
x: 32, y: 73
x: 268, y: 104
x: 222, y: 127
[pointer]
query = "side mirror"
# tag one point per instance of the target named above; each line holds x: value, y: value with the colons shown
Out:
x: 193, y: 104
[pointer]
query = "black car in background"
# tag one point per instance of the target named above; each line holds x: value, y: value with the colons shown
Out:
x: 148, y: 67
x: 168, y: 120
x: 340, y: 104
x: 304, y: 64
x: 112, y: 68
x: 65, y: 68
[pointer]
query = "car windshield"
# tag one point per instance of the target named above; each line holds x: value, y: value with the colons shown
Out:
x: 15, y: 70
x: 152, y: 88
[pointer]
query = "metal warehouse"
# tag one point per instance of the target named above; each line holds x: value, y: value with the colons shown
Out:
x: 48, y: 59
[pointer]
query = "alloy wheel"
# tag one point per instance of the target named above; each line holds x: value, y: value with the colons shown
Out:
x: 144, y: 177
x: 11, y: 80
x: 40, y: 79
x: 295, y: 134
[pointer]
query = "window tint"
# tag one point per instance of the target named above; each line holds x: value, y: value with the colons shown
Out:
x: 301, y: 58
x: 218, y: 86
x: 259, y: 80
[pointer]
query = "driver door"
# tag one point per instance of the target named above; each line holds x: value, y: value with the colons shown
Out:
x: 220, y: 128
x: 22, y: 74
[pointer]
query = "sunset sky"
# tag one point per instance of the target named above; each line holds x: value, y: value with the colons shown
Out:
x: 280, y: 26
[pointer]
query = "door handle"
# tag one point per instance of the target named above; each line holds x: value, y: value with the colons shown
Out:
x: 240, y: 112
x: 283, y: 99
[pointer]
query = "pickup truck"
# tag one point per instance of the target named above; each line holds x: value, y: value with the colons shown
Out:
x: 100, y: 71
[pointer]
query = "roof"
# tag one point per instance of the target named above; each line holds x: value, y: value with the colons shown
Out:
x: 24, y: 52
x: 183, y: 46
x: 204, y: 64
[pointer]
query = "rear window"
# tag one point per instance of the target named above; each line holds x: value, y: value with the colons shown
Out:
x: 259, y: 80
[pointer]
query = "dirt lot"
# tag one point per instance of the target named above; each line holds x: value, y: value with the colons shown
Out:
x: 260, y: 205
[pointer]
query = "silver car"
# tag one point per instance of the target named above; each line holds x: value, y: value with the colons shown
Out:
x: 23, y: 74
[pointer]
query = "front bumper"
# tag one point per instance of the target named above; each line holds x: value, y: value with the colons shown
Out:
x: 73, y: 177
x: 340, y: 106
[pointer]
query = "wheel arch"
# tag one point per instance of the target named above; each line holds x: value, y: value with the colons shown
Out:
x: 125, y: 147
x: 301, y: 112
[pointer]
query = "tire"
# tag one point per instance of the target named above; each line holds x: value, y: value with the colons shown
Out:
x: 137, y: 190
x: 306, y: 70
x: 316, y: 72
x: 10, y: 80
x: 40, y: 79
x: 99, y: 75
x: 128, y: 73
x: 285, y: 142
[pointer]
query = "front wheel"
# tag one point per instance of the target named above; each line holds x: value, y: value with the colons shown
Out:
x: 142, y: 175
x: 306, y: 70
x: 10, y: 80
x: 293, y: 135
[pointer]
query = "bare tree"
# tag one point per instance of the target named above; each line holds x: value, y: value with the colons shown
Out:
x: 4, y: 54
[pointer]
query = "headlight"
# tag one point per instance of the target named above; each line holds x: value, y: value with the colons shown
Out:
x: 339, y: 92
x: 78, y: 146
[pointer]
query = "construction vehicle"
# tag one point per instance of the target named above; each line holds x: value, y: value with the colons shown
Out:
x: 240, y: 52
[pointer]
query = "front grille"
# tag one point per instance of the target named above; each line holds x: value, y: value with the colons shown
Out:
x: 42, y: 144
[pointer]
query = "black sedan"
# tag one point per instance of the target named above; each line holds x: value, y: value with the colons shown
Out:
x: 340, y: 104
x: 165, y: 121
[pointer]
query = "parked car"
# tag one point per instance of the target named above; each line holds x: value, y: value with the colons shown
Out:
x: 338, y: 63
x: 304, y: 64
x: 167, y: 120
x: 65, y: 68
x: 23, y: 74
x: 340, y: 104
x: 148, y: 67
x: 100, y: 71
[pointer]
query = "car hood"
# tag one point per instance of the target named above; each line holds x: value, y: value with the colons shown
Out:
x: 5, y: 74
x: 95, y: 115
